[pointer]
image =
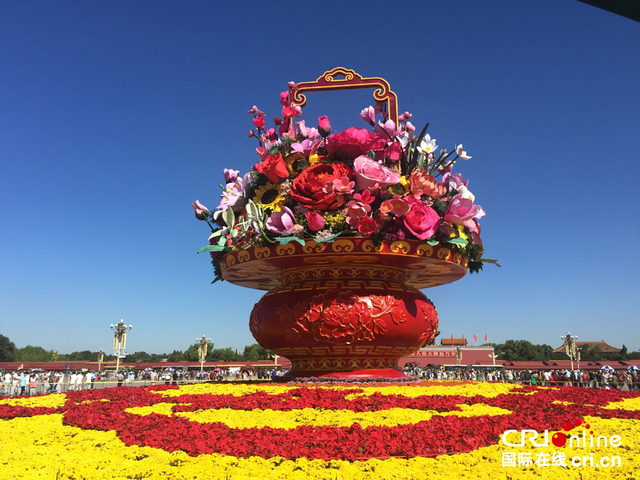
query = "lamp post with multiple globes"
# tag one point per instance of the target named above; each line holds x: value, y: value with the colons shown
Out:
x: 202, y: 350
x: 571, y: 348
x: 120, y: 340
x: 100, y: 359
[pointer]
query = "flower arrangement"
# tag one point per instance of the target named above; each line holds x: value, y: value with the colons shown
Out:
x: 383, y: 182
x: 380, y: 430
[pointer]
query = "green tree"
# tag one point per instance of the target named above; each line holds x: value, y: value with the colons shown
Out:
x: 143, y: 357
x: 522, y: 350
x: 7, y: 349
x: 256, y: 352
x: 175, y: 356
x: 84, y: 356
x: 222, y: 355
x: 34, y: 354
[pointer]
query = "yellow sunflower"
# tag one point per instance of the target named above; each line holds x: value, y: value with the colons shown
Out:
x: 269, y: 197
x: 292, y: 163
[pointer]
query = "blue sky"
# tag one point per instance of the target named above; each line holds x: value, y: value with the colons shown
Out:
x: 115, y: 116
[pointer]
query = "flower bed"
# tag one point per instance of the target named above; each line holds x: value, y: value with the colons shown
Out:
x: 417, y: 430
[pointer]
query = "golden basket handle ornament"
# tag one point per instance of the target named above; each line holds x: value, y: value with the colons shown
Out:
x: 350, y: 80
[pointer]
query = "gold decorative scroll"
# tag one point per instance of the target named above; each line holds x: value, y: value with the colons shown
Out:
x: 329, y: 81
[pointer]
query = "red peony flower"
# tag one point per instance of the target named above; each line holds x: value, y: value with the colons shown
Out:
x: 273, y: 167
x: 309, y: 187
x: 354, y: 142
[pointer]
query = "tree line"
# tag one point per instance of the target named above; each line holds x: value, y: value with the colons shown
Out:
x: 30, y: 353
x: 523, y: 350
x: 511, y: 350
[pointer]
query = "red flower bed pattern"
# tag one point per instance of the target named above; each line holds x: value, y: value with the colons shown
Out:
x: 439, y: 435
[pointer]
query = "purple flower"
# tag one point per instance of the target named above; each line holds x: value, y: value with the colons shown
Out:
x: 230, y: 176
x: 368, y: 115
x: 461, y: 210
x: 281, y: 222
x: 202, y: 212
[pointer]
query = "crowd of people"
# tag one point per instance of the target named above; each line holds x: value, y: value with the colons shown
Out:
x: 21, y: 383
x: 618, y: 379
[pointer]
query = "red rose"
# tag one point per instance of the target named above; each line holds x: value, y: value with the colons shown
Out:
x: 422, y: 220
x: 273, y: 167
x: 354, y: 142
x: 308, y: 186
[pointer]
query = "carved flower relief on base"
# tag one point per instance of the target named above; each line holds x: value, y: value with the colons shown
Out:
x: 431, y: 317
x: 342, y: 317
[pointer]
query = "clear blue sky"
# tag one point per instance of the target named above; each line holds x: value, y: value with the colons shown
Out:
x: 115, y: 116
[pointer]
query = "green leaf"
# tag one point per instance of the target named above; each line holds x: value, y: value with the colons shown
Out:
x: 252, y: 211
x: 329, y: 239
x: 284, y: 240
x: 489, y: 260
x: 215, y: 234
x: 228, y: 217
x: 222, y: 241
x: 211, y: 248
x: 432, y: 242
x: 458, y: 241
x: 371, y: 154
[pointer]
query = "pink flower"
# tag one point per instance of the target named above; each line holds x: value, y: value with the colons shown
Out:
x: 306, y: 132
x: 202, y: 212
x: 259, y: 122
x: 367, y: 226
x: 284, y: 99
x: 423, y: 221
x: 371, y: 175
x: 315, y: 221
x: 324, y: 127
x: 368, y: 115
x: 282, y: 221
x: 461, y: 210
x: 358, y: 208
x: 365, y: 197
x: 288, y: 112
x: 387, y: 129
x: 343, y: 185
x: 474, y: 226
x: 396, y: 206
x: 393, y: 152
x: 353, y: 142
x: 253, y: 110
x: 292, y: 86
x: 230, y: 175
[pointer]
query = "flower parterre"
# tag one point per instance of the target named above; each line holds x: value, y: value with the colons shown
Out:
x: 383, y: 182
x: 457, y: 430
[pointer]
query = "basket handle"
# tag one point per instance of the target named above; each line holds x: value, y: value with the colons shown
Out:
x: 328, y: 81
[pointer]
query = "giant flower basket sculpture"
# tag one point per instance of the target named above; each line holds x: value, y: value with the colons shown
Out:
x: 343, y: 230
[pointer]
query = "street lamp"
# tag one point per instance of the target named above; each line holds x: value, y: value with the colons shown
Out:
x: 100, y: 359
x: 120, y: 340
x: 202, y: 350
x: 570, y: 348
